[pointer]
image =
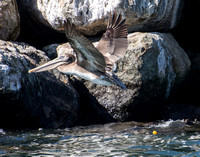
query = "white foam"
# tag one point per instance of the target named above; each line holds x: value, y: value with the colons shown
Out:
x: 171, y: 124
x: 2, y: 132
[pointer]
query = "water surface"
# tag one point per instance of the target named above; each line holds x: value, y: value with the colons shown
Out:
x: 174, y: 138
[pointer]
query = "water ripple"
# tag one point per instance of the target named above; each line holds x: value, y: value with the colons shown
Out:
x: 117, y: 139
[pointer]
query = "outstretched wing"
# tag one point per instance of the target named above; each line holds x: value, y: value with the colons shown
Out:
x: 114, y: 43
x: 88, y: 56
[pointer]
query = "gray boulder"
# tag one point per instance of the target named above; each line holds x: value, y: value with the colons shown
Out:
x: 152, y: 69
x: 32, y: 100
x: 9, y: 20
x: 91, y: 16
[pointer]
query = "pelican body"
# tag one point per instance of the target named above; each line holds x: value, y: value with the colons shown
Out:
x: 92, y: 63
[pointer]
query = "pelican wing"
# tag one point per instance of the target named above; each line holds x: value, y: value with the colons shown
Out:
x: 114, y: 43
x: 88, y: 56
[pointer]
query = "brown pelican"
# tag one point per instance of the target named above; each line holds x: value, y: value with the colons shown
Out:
x: 92, y: 63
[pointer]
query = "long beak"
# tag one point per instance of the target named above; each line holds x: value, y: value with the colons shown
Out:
x: 48, y: 66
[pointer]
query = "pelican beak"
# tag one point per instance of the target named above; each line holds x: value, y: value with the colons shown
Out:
x: 49, y: 65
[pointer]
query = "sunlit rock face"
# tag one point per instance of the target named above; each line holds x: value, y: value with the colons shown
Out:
x: 91, y: 16
x: 32, y: 100
x: 9, y: 20
x: 152, y: 68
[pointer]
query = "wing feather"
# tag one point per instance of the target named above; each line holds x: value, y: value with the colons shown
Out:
x: 114, y: 43
x: 88, y: 56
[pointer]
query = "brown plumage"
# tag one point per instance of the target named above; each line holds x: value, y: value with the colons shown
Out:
x: 92, y: 62
x: 88, y: 56
x: 114, y: 43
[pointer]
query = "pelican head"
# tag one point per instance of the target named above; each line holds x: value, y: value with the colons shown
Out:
x: 63, y: 59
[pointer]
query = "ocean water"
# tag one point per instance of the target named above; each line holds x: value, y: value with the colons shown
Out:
x: 173, y: 138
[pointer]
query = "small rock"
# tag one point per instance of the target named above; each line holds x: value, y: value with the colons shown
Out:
x: 9, y: 20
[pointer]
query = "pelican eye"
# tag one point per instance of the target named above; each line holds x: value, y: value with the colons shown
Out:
x: 63, y: 57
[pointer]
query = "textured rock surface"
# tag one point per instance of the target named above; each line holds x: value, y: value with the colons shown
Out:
x: 152, y: 69
x: 9, y: 20
x: 91, y: 16
x: 32, y: 100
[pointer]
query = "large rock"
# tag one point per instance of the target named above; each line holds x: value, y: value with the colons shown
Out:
x: 32, y: 100
x: 9, y: 20
x: 91, y: 16
x: 152, y: 69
